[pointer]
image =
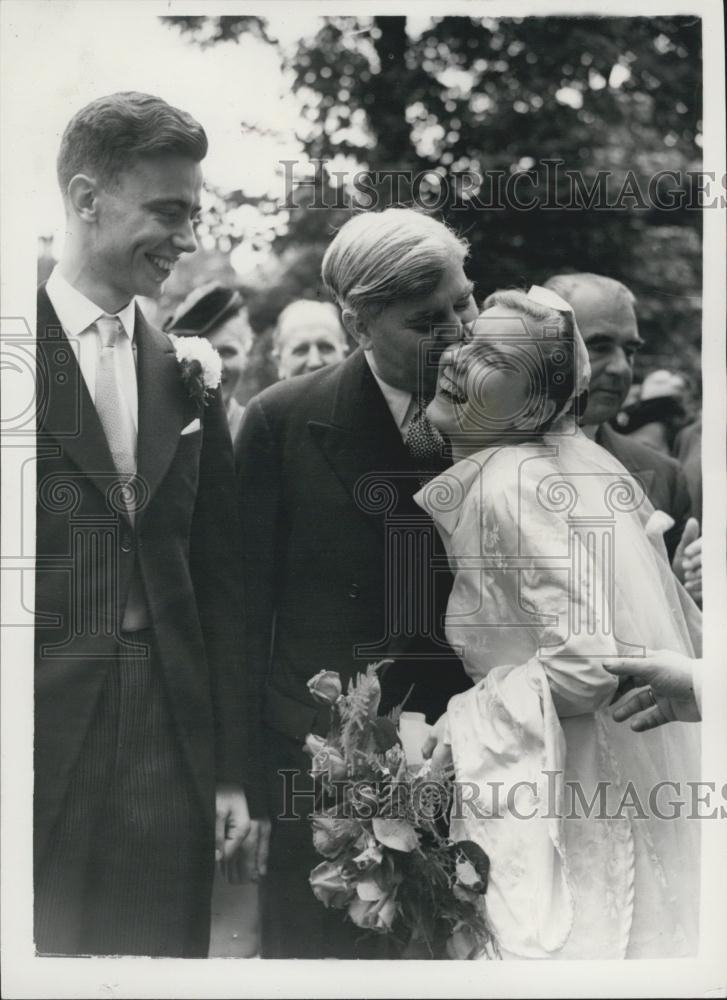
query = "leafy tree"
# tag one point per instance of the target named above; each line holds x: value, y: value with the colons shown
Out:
x: 502, y: 100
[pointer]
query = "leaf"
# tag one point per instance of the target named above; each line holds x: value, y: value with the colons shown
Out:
x: 477, y: 857
x: 385, y: 734
x: 395, y: 713
x: 396, y: 834
x: 359, y: 706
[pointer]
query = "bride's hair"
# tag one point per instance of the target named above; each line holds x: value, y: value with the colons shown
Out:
x: 554, y: 376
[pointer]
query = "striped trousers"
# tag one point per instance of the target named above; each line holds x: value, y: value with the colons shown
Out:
x: 130, y: 863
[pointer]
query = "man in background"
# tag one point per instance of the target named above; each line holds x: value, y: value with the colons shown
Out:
x: 308, y: 336
x: 604, y: 309
x: 142, y: 761
x: 327, y: 466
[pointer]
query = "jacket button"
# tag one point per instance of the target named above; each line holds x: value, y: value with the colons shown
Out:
x: 127, y: 543
x: 353, y: 591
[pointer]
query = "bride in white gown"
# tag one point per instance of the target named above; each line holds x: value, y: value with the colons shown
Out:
x: 559, y: 564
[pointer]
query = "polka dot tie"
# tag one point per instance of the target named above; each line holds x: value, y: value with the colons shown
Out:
x: 424, y: 442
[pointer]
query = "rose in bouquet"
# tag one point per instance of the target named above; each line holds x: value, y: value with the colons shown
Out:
x: 383, y: 831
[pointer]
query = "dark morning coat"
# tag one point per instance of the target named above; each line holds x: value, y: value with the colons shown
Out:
x: 324, y: 480
x: 662, y: 477
x: 325, y: 488
x: 185, y: 540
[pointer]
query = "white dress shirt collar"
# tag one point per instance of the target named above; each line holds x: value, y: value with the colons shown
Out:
x: 77, y: 313
x: 399, y: 401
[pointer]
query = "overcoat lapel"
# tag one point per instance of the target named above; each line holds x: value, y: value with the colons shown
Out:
x: 363, y: 446
x: 164, y: 406
x: 614, y: 442
x: 65, y: 410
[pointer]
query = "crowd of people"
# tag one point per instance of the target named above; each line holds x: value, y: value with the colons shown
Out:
x: 198, y: 561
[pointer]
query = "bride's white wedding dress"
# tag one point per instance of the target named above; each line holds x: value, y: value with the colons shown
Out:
x: 554, y: 571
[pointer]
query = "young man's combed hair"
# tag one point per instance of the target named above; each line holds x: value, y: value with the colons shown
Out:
x: 110, y: 134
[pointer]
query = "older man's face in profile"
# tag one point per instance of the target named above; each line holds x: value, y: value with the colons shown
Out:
x: 609, y: 328
x: 232, y: 342
x: 396, y: 333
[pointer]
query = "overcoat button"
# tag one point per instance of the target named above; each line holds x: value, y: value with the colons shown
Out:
x: 127, y: 543
x: 353, y: 590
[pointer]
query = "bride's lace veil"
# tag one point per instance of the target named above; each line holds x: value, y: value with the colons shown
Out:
x: 651, y: 610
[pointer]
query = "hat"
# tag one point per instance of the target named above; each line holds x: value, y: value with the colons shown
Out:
x: 204, y: 310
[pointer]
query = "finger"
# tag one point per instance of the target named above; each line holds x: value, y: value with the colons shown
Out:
x: 238, y: 828
x: 235, y: 870
x: 231, y: 870
x: 428, y: 746
x: 629, y: 667
x: 247, y: 853
x: 263, y: 847
x: 442, y: 762
x: 690, y: 534
x: 248, y: 861
x: 220, y: 836
x: 635, y: 701
x: 649, y: 719
x: 694, y: 550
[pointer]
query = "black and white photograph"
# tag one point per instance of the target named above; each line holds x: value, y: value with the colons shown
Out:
x: 363, y: 499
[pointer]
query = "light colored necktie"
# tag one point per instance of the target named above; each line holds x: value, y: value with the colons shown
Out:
x: 116, y: 420
x: 111, y: 405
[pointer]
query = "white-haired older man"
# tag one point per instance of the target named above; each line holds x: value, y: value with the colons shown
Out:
x: 308, y: 336
x: 605, y: 310
x: 324, y: 461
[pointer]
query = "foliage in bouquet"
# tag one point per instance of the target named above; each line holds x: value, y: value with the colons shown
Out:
x: 383, y: 832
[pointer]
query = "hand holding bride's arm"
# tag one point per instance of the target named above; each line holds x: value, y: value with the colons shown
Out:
x: 666, y: 689
x: 687, y: 561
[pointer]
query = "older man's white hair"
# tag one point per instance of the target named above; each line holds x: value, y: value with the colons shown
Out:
x: 306, y: 312
x: 568, y: 286
x: 381, y: 257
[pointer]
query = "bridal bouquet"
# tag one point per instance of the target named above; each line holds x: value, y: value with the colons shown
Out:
x: 383, y: 831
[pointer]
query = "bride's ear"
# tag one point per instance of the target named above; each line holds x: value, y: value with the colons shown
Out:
x: 356, y: 328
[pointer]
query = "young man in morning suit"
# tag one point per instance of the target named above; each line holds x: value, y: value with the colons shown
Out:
x: 141, y: 763
x: 327, y: 466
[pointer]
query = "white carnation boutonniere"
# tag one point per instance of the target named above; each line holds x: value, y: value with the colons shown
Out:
x: 201, y: 366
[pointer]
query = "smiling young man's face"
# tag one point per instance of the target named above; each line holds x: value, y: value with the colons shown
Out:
x: 144, y: 223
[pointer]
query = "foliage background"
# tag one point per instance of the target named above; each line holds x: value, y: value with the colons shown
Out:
x: 457, y: 94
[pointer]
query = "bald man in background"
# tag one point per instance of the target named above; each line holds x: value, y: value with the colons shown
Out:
x: 605, y: 311
x: 308, y: 336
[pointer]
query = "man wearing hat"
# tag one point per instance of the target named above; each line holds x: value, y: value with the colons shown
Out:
x: 219, y: 314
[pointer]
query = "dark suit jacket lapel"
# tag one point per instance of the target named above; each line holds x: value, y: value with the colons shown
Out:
x: 164, y: 405
x: 64, y: 406
x: 618, y: 445
x: 363, y: 445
